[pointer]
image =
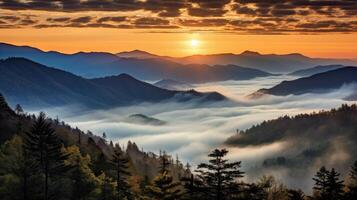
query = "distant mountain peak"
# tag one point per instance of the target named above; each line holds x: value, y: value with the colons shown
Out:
x: 136, y: 54
x: 253, y: 53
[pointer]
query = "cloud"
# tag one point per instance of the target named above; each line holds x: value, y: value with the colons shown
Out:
x: 112, y: 19
x: 192, y: 132
x: 59, y: 19
x: 256, y: 17
x: 82, y: 20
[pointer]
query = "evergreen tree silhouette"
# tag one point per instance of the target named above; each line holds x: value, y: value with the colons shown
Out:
x: 327, y: 185
x: 45, y: 148
x: 164, y: 188
x: 352, y: 185
x: 164, y: 165
x: 219, y: 175
x: 295, y: 195
x: 335, y: 185
x: 120, y: 162
x: 18, y: 109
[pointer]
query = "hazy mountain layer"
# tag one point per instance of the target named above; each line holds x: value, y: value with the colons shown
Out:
x: 98, y: 64
x: 317, y: 83
x: 315, y: 70
x: 32, y: 84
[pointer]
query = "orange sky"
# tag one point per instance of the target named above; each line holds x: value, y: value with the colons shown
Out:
x: 70, y: 40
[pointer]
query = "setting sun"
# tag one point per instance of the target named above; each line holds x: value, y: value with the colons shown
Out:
x: 194, y: 43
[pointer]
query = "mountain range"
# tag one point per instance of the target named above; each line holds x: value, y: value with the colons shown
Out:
x: 99, y: 64
x: 173, y: 85
x: 147, y: 66
x: 315, y: 70
x: 32, y: 84
x: 272, y: 63
x: 318, y: 83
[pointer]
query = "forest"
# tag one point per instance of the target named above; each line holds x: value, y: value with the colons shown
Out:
x: 43, y: 158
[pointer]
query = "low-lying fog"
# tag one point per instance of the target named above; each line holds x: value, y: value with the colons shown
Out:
x: 193, y: 132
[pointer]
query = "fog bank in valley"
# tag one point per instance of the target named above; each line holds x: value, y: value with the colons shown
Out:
x: 191, y: 132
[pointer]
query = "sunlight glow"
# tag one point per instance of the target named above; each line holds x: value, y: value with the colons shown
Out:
x: 194, y: 43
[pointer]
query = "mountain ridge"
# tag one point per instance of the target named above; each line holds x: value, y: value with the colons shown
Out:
x: 32, y: 84
x: 318, y: 83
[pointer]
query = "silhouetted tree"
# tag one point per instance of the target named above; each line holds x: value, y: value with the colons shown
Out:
x: 194, y: 188
x: 120, y: 162
x: 45, y: 148
x: 164, y: 188
x: 164, y: 165
x: 219, y: 175
x: 18, y: 109
x: 327, y: 185
x: 295, y: 195
x: 352, y: 185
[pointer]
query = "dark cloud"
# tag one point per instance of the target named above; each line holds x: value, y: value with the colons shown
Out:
x: 28, y: 21
x: 112, y: 19
x: 10, y: 18
x: 263, y: 16
x: 151, y: 21
x: 82, y: 20
x: 207, y: 8
x: 59, y: 19
x: 204, y: 22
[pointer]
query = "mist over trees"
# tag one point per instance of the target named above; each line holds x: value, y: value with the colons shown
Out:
x: 46, y: 159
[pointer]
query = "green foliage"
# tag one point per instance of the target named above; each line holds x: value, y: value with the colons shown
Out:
x: 17, y: 173
x: 164, y: 188
x: 84, y: 182
x: 120, y: 164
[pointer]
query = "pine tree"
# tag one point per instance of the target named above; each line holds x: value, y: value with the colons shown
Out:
x: 321, y: 185
x: 15, y: 160
x: 120, y: 162
x: 327, y: 185
x: 83, y: 179
x: 18, y: 109
x: 219, y: 175
x: 295, y: 195
x: 106, y: 187
x: 335, y: 185
x: 45, y: 148
x: 164, y: 165
x: 193, y: 187
x: 352, y: 185
x: 164, y: 188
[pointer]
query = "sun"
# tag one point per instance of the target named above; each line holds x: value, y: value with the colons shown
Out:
x: 194, y: 43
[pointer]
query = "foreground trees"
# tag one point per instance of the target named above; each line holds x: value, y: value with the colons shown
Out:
x: 120, y: 164
x: 327, y: 185
x: 46, y: 151
x: 219, y: 176
x: 164, y: 187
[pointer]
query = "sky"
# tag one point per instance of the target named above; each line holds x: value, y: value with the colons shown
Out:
x: 317, y: 28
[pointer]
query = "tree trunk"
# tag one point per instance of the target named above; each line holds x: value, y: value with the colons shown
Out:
x: 46, y: 182
x: 25, y: 186
x: 118, y: 180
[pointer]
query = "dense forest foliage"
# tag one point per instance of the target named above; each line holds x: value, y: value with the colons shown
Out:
x: 308, y: 139
x: 41, y: 158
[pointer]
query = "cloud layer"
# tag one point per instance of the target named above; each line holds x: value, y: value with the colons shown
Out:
x: 241, y: 16
x: 192, y: 132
